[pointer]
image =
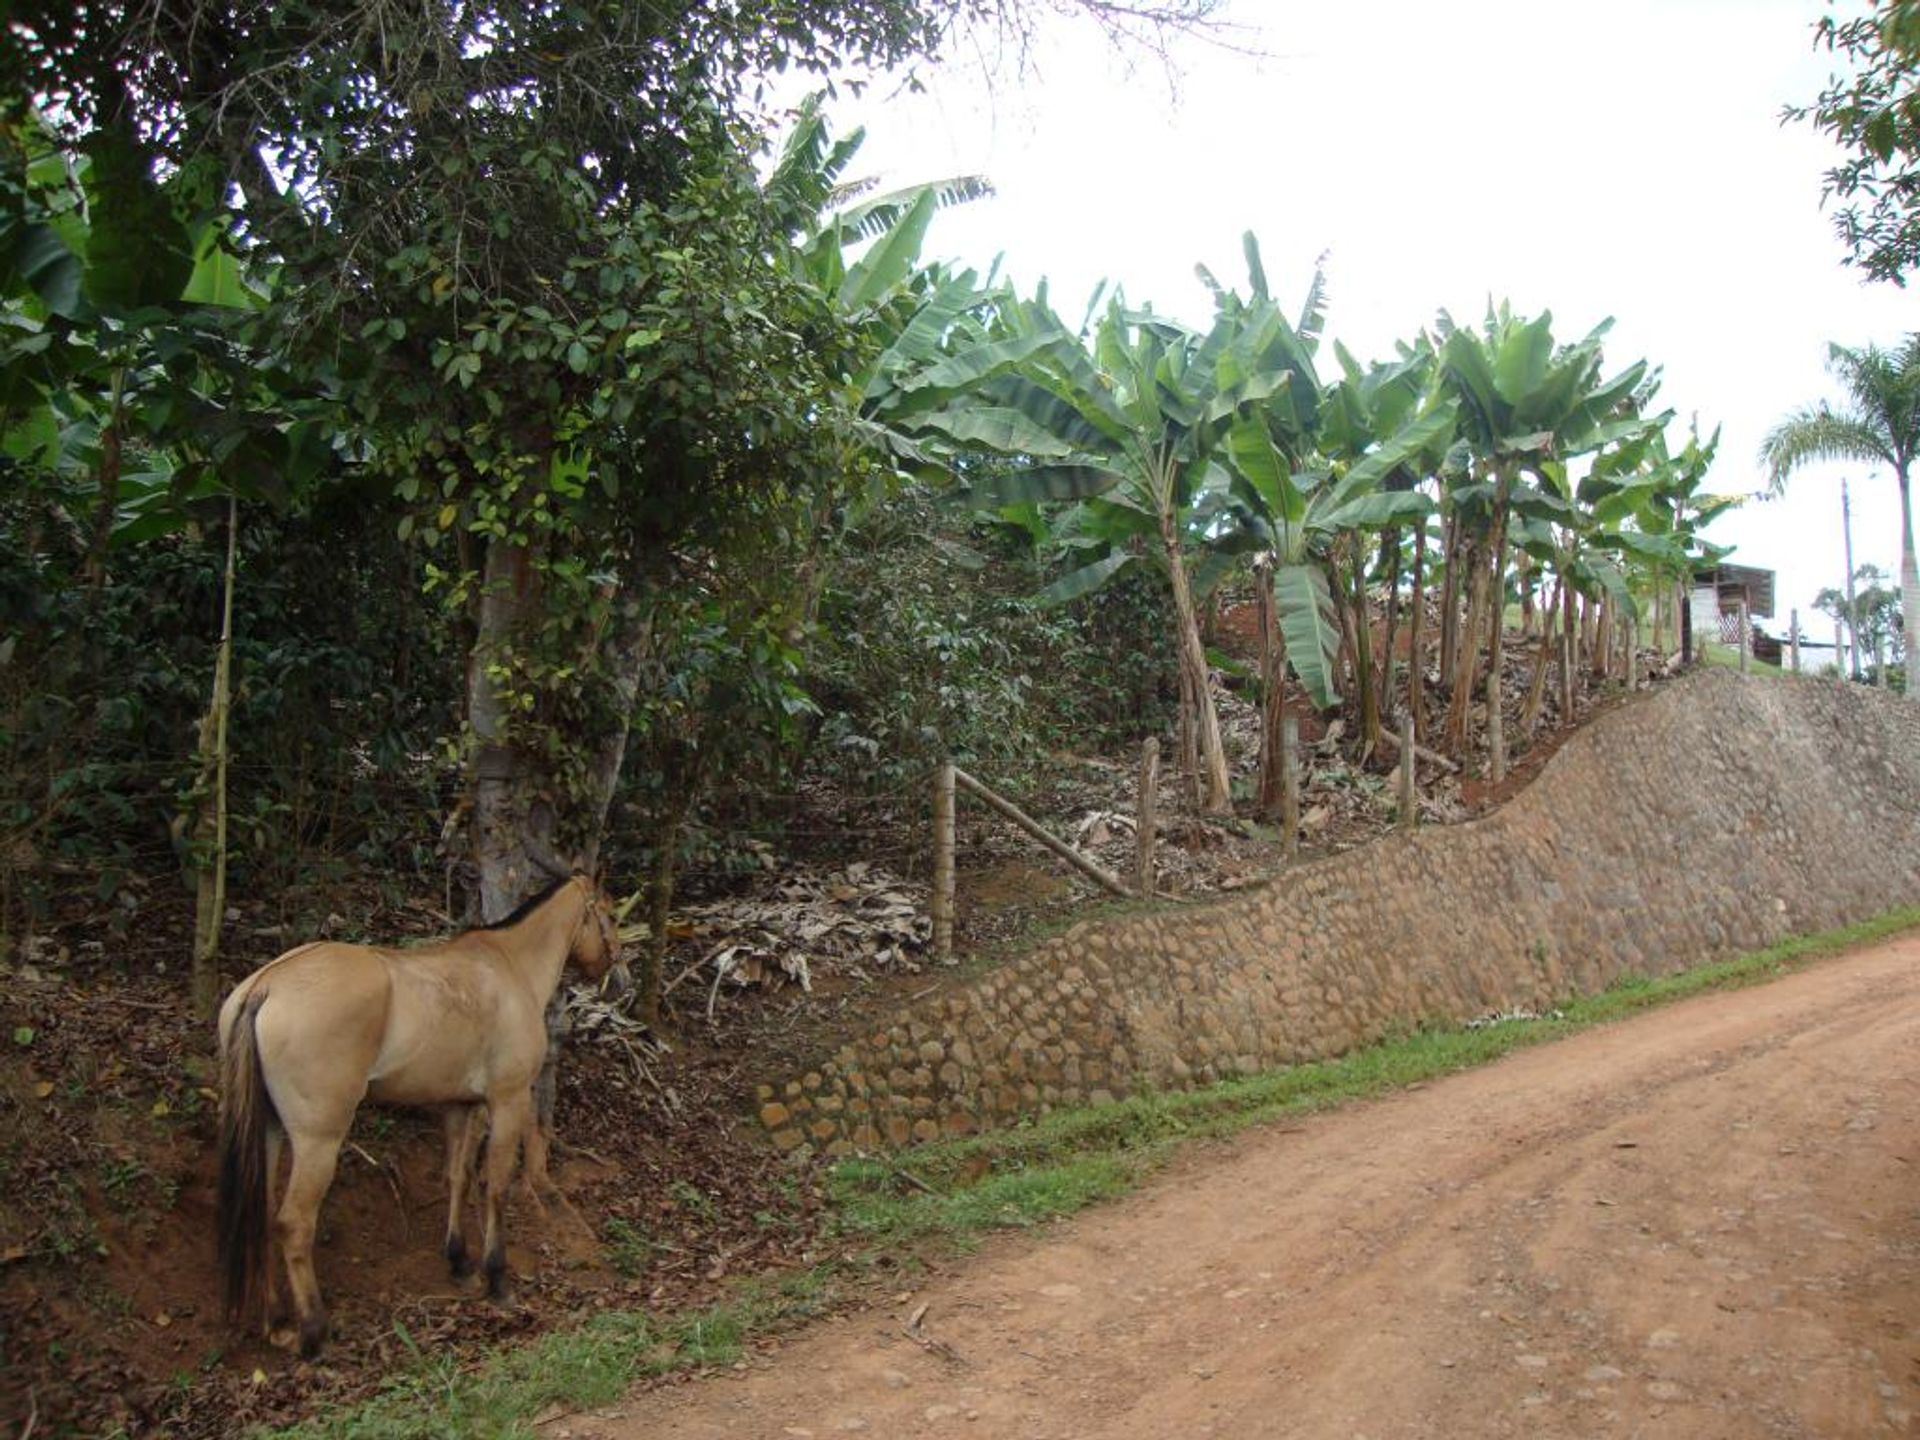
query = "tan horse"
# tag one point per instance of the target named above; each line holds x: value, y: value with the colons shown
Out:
x: 458, y: 1023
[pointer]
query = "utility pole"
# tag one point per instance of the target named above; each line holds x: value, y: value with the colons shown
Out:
x: 1853, y: 615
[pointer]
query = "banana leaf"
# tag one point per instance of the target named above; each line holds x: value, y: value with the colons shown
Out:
x: 1311, y: 628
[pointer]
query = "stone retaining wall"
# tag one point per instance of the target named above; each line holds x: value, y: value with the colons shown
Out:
x: 1715, y: 816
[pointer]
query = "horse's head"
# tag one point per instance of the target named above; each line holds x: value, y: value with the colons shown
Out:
x: 596, y: 944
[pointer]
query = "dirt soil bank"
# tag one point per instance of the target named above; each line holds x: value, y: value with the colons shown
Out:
x: 1704, y: 1222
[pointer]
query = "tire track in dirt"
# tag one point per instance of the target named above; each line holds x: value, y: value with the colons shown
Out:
x: 1702, y: 1222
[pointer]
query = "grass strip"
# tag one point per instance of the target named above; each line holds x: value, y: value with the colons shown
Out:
x: 962, y: 1189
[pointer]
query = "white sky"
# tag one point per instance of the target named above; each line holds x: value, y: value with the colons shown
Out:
x: 1622, y: 159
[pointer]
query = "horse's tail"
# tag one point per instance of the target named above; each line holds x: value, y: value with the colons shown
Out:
x: 246, y: 1114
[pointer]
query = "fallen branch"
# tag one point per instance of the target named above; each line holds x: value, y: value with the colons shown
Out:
x: 1421, y: 752
x: 1092, y: 869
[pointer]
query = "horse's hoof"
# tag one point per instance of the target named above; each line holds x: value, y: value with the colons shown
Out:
x: 313, y: 1337
x: 499, y: 1287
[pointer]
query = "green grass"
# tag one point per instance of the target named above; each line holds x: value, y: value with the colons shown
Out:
x: 1728, y: 657
x: 955, y: 1191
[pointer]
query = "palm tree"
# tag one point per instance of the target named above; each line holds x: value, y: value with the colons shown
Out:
x: 1880, y: 426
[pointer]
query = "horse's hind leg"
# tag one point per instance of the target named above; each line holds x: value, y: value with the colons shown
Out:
x: 314, y: 1159
x: 509, y: 1117
x: 463, y: 1138
x: 278, y: 1307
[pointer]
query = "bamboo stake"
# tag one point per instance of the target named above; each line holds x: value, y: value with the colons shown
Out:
x: 1409, y: 796
x: 1793, y: 639
x: 210, y: 905
x: 1092, y: 869
x: 1289, y: 788
x: 1746, y: 636
x: 1145, y: 822
x: 943, y: 848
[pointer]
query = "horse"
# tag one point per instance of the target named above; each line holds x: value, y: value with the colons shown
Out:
x: 456, y: 1023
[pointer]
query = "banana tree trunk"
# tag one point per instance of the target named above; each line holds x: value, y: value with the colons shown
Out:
x: 1417, y: 639
x: 1466, y: 656
x: 1273, y: 699
x: 1216, y: 788
x: 1362, y: 631
x: 1496, y: 636
x: 1542, y: 664
x: 1449, y: 601
x: 1390, y: 552
x: 1570, y: 621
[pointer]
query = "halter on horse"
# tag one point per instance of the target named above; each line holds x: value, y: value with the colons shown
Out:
x: 457, y: 1023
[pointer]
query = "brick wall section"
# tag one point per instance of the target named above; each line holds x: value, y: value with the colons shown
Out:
x: 1715, y: 816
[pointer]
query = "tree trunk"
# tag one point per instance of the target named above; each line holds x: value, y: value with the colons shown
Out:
x: 1390, y: 550
x: 1542, y: 664
x: 1466, y: 658
x: 1909, y: 587
x: 1369, y: 697
x: 1273, y: 706
x: 1603, y: 628
x: 1496, y: 638
x: 1570, y: 633
x: 1216, y: 789
x: 210, y: 834
x: 1449, y: 601
x: 107, y: 505
x: 505, y: 789
x: 1417, y: 639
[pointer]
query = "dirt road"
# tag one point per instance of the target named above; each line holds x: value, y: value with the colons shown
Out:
x: 1703, y: 1222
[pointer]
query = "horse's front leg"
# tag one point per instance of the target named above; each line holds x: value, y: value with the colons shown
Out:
x: 463, y: 1138
x: 510, y: 1116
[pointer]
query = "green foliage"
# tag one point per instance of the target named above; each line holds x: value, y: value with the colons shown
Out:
x: 929, y: 647
x: 1872, y: 112
x: 343, y: 685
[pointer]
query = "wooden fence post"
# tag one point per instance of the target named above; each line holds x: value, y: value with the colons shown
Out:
x: 1289, y: 788
x: 1793, y: 639
x: 943, y: 846
x: 1409, y: 796
x: 1145, y: 816
x: 1746, y: 636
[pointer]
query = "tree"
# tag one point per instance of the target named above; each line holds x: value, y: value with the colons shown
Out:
x: 1880, y: 425
x: 528, y: 252
x: 1527, y: 406
x: 1873, y: 113
x: 1874, y: 617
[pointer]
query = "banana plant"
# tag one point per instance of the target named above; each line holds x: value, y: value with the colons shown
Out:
x: 1298, y: 517
x: 1527, y: 407
x: 1132, y: 424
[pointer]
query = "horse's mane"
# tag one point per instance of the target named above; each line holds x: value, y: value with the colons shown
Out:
x: 527, y: 906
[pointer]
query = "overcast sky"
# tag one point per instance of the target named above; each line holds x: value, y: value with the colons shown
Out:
x: 1622, y: 160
